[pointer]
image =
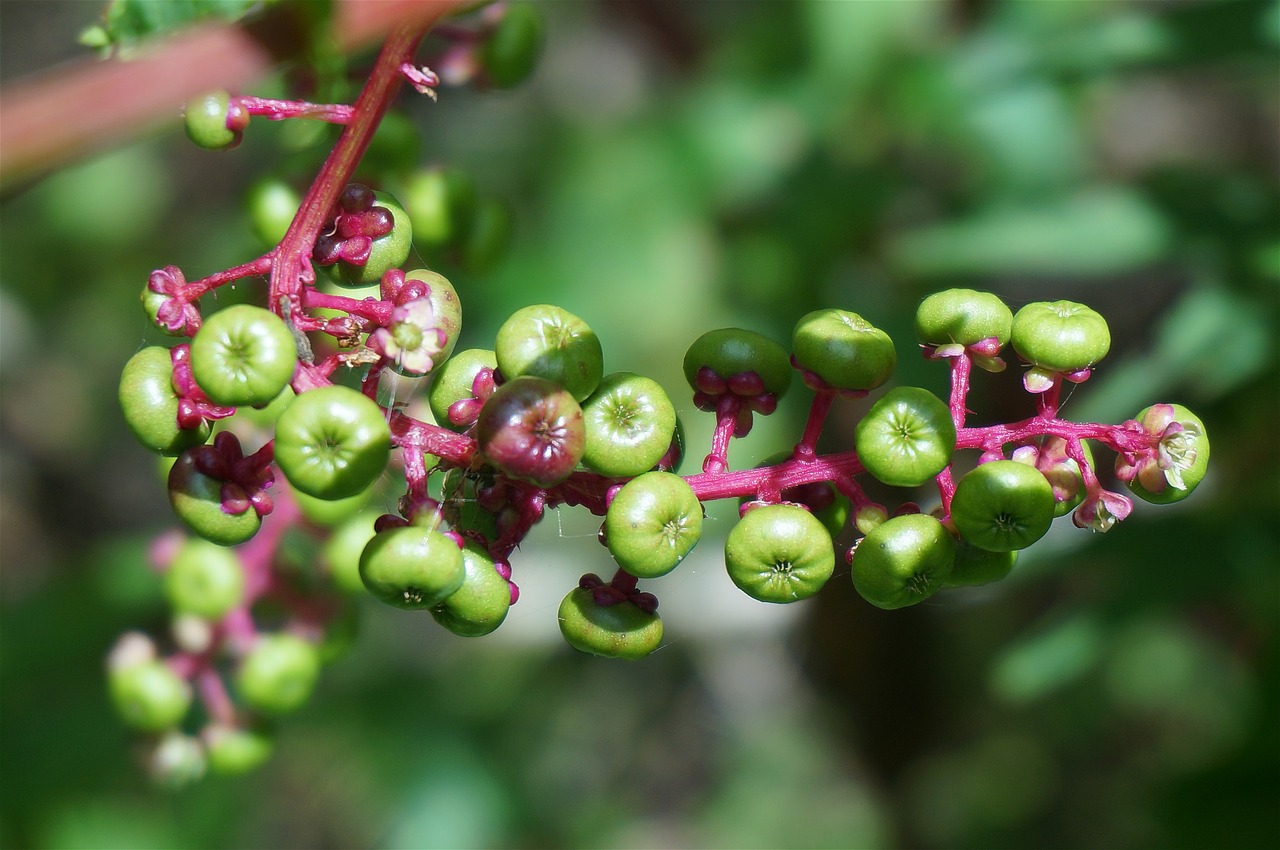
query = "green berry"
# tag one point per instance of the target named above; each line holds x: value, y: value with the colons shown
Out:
x: 511, y: 50
x: 243, y: 355
x: 843, y: 349
x: 733, y: 351
x: 963, y: 317
x: 205, y: 119
x: 611, y: 631
x: 278, y: 674
x: 1182, y: 458
x: 1060, y: 336
x: 903, y: 560
x: 906, y: 438
x: 549, y: 342
x: 149, y: 696
x: 1003, y: 505
x: 205, y: 579
x: 332, y: 442
x: 480, y: 605
x: 233, y: 751
x: 974, y: 566
x: 629, y: 425
x: 150, y: 404
x: 453, y: 383
x: 388, y: 251
x: 412, y: 567
x: 197, y: 500
x: 779, y: 553
x: 272, y: 206
x: 341, y: 552
x: 653, y: 522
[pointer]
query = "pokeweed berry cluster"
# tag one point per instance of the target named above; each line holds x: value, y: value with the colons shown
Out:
x: 533, y: 423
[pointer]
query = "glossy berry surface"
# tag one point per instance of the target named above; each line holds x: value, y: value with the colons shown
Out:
x: 906, y: 438
x: 612, y: 631
x: 1003, y: 505
x: 197, y: 500
x: 964, y: 317
x: 150, y: 404
x: 332, y: 442
x: 243, y: 355
x: 532, y: 430
x: 903, y: 561
x: 1060, y: 336
x: 455, y: 384
x: 727, y: 352
x: 549, y: 342
x: 481, y: 603
x: 779, y: 553
x: 205, y: 120
x: 629, y: 424
x: 843, y: 349
x: 413, y: 567
x: 653, y: 522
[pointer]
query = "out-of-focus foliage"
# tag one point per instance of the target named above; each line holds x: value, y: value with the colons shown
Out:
x: 674, y: 167
x: 127, y: 22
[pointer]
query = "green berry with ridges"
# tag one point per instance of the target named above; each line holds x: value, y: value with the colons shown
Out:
x: 779, y: 553
x: 412, y: 567
x: 1003, y: 505
x: 243, y: 355
x: 629, y: 423
x: 1060, y: 336
x: 549, y: 342
x: 653, y: 522
x: 906, y: 438
x: 332, y: 442
x: 903, y: 560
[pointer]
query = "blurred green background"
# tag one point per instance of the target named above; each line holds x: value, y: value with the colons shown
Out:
x: 674, y: 167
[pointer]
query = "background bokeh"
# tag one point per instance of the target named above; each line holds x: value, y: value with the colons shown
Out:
x: 674, y: 167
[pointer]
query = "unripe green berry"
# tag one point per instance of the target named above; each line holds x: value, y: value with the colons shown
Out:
x: 149, y: 695
x: 205, y: 119
x: 278, y: 675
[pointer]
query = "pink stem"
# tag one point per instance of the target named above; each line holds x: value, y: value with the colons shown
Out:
x: 293, y: 263
x: 806, y: 449
x: 726, y: 420
x: 280, y: 110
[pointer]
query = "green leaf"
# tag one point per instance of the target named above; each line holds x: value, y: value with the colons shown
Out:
x: 126, y: 22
